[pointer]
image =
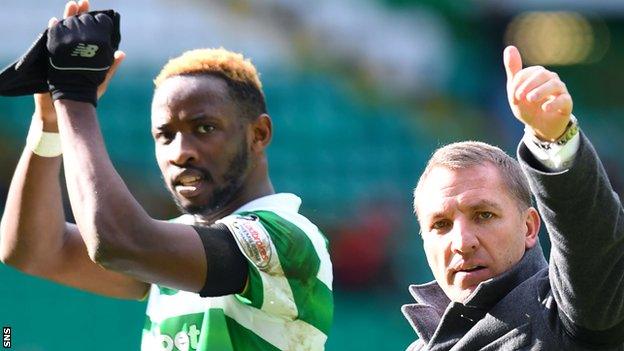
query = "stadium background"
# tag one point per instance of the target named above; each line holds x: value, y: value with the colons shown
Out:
x: 361, y: 93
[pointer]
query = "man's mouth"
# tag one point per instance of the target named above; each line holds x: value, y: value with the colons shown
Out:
x: 469, y: 275
x: 470, y: 268
x: 189, y: 183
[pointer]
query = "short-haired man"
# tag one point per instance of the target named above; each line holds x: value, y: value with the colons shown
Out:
x: 241, y: 270
x: 493, y: 288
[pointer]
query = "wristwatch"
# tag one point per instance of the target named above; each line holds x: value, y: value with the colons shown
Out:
x: 572, y: 129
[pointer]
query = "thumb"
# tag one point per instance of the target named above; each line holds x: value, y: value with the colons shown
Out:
x: 118, y: 57
x: 512, y: 61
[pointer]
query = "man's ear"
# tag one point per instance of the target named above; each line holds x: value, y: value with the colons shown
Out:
x: 532, y: 222
x: 261, y: 132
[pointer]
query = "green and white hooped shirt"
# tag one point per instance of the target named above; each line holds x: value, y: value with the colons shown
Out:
x: 288, y: 304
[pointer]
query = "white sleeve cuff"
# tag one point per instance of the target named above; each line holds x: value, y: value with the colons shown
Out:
x: 558, y: 157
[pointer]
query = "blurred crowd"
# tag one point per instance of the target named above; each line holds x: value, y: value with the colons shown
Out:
x: 361, y: 92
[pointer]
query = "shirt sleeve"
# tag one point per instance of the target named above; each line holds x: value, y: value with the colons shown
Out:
x: 282, y: 261
x: 557, y: 158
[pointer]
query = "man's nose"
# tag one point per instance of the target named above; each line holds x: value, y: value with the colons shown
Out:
x: 464, y: 238
x: 182, y: 150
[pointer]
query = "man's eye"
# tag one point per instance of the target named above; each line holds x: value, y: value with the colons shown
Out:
x: 485, y: 215
x: 164, y: 137
x: 203, y: 129
x: 439, y: 225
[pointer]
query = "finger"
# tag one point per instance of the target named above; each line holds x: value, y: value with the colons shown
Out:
x: 561, y: 104
x: 512, y: 61
x: 537, y: 78
x: 119, y: 57
x: 519, y: 78
x: 551, y: 87
x: 70, y: 9
x: 52, y: 21
x: 83, y: 6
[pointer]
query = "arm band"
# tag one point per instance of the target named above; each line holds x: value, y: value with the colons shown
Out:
x: 227, y: 268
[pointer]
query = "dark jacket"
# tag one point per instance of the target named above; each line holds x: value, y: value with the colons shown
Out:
x: 574, y: 303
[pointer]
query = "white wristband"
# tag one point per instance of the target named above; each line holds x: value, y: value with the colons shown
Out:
x: 44, y: 144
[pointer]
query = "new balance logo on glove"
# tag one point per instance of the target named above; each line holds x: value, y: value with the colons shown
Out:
x: 84, y: 50
x: 80, y: 51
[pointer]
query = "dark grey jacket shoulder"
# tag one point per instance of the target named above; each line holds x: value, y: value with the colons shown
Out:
x: 574, y: 303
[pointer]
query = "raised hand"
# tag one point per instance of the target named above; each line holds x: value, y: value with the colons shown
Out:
x: 44, y: 107
x: 81, y: 51
x: 537, y: 97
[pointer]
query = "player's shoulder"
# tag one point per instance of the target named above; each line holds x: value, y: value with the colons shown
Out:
x: 276, y: 223
x: 265, y: 233
x: 273, y: 223
x: 272, y: 216
x: 275, y: 217
x: 277, y: 213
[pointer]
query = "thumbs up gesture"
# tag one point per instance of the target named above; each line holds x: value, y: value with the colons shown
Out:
x: 537, y: 97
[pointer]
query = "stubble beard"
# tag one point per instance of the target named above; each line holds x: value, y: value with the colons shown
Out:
x: 221, y: 196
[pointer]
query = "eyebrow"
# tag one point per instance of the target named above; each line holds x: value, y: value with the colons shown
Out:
x: 161, y: 127
x: 199, y: 116
x: 194, y: 118
x: 478, y: 205
x: 436, y: 215
x: 485, y: 204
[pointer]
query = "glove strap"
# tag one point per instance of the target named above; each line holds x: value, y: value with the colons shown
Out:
x: 78, y: 68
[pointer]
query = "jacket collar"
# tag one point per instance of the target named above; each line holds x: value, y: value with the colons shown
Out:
x: 431, y: 301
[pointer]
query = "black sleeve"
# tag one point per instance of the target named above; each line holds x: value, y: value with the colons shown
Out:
x: 227, y: 268
x: 585, y: 222
x: 594, y: 339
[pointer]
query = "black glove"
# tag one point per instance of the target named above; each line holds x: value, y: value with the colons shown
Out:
x: 80, y: 50
x: 29, y: 74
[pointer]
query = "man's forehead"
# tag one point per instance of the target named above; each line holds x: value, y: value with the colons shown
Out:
x: 189, y: 96
x: 448, y: 180
x: 183, y: 87
x: 443, y: 188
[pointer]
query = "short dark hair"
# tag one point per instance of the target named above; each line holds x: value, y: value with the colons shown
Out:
x: 466, y: 154
x: 249, y: 99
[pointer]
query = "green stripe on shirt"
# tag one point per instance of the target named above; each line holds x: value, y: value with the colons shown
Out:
x: 245, y: 339
x: 300, y: 264
x: 254, y: 293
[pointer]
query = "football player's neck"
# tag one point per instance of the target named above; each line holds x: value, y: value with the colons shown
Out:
x: 252, y: 189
